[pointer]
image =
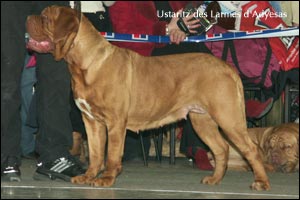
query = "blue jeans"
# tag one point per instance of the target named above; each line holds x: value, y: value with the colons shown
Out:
x: 28, y: 79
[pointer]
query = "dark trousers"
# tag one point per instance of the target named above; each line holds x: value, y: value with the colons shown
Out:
x: 13, y: 16
x: 53, y: 87
x: 54, y: 138
x: 54, y: 107
x: 54, y: 135
x: 28, y: 80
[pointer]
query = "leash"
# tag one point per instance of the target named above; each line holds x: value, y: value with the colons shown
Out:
x: 234, y: 35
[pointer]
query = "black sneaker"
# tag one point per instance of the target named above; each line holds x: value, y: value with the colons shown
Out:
x: 62, y: 168
x: 10, y: 170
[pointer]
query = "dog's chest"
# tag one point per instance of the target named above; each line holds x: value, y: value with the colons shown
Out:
x: 85, y: 107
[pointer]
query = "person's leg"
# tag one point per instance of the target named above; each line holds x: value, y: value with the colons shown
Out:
x: 27, y: 82
x: 13, y: 16
x: 53, y: 89
x: 52, y: 98
x: 54, y: 138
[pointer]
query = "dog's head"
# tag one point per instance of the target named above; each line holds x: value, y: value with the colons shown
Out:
x: 53, y: 31
x: 282, y: 148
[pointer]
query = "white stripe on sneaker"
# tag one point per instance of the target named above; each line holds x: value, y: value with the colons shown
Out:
x: 10, y: 171
x: 61, y: 166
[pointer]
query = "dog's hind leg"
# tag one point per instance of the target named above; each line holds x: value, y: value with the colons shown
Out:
x: 238, y: 135
x: 235, y: 128
x: 229, y: 114
x: 207, y: 130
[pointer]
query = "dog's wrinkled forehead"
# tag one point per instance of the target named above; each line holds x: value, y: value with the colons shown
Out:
x: 283, y: 138
x: 55, y: 19
x: 51, y: 12
x: 55, y: 12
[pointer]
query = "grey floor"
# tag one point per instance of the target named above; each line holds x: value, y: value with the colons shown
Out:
x: 158, y: 180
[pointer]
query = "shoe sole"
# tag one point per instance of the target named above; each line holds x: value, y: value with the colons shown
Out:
x: 46, y: 175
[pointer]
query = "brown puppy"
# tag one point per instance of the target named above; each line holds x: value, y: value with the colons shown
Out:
x: 278, y: 147
x: 117, y: 88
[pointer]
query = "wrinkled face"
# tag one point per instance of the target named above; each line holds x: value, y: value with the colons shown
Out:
x: 282, y: 150
x: 53, y: 31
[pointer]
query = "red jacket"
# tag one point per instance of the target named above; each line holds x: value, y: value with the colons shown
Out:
x: 139, y: 17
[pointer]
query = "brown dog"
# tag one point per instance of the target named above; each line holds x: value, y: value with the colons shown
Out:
x: 117, y: 89
x: 278, y: 147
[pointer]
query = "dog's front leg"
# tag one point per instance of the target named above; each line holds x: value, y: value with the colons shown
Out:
x: 116, y: 139
x: 96, y: 134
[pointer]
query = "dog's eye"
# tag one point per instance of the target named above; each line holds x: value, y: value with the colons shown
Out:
x: 288, y: 146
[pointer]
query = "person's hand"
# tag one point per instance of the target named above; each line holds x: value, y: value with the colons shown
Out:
x: 191, y: 23
x: 173, y: 23
x: 177, y: 36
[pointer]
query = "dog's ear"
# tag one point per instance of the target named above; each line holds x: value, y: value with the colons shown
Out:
x: 66, y: 28
x: 63, y: 45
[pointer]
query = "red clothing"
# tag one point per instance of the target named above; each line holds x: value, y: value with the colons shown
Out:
x: 139, y: 17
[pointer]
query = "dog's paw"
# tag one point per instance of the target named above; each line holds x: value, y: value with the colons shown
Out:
x: 210, y: 180
x: 106, y: 181
x: 82, y: 179
x: 260, y: 185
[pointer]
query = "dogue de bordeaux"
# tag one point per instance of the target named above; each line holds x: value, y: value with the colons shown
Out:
x: 278, y: 147
x: 118, y: 89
